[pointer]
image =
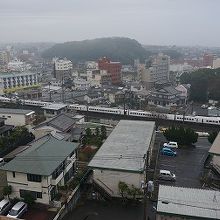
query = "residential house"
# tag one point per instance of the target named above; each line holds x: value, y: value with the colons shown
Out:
x: 5, y: 130
x: 54, y: 109
x: 46, y: 164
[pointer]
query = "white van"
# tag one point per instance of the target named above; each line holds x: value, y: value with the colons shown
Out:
x: 167, y: 175
x: 5, y: 206
x: 171, y: 144
x: 17, y: 210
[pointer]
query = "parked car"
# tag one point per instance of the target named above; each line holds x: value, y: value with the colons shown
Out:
x: 5, y: 206
x: 171, y: 144
x: 167, y: 175
x: 168, y: 152
x: 17, y: 210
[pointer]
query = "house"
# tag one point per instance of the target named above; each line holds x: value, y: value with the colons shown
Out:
x: 167, y: 96
x: 62, y: 126
x: 46, y: 164
x: 178, y: 203
x: 93, y: 97
x: 121, y: 157
x: 5, y: 130
x: 17, y: 117
x: 54, y: 109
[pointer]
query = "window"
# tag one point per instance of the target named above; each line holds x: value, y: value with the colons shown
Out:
x: 33, y: 178
x: 33, y: 193
x: 13, y: 173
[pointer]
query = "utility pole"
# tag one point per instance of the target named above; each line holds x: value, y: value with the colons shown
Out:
x: 145, y: 185
x: 62, y: 91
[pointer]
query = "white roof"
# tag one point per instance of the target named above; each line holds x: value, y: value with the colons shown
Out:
x: 55, y: 106
x: 125, y: 147
x: 189, y: 202
x: 164, y: 171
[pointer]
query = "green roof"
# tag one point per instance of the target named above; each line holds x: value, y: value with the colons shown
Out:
x: 42, y: 157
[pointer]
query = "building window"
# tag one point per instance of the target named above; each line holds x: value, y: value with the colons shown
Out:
x: 33, y: 178
x: 34, y: 194
x: 13, y: 173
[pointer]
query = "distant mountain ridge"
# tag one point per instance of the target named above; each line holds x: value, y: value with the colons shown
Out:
x: 120, y: 49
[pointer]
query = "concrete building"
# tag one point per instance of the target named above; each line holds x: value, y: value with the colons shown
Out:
x: 113, y: 69
x: 146, y: 76
x: 4, y: 57
x: 11, y: 82
x: 18, y: 66
x: 121, y: 157
x: 208, y: 60
x: 54, y: 109
x: 97, y: 78
x: 46, y: 164
x: 81, y: 84
x: 216, y: 63
x: 62, y: 68
x: 178, y: 203
x: 161, y: 68
x: 17, y: 117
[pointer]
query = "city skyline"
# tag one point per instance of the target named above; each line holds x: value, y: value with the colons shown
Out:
x: 160, y: 22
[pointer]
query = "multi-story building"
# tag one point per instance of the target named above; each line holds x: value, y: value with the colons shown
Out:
x: 119, y: 162
x: 81, y: 84
x: 17, y: 117
x: 46, y: 164
x: 113, y: 69
x: 97, y: 77
x: 161, y: 68
x: 208, y: 60
x: 18, y: 66
x: 4, y: 57
x: 62, y: 68
x: 216, y: 63
x: 10, y: 82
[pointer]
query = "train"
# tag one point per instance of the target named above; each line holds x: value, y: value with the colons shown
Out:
x: 119, y: 111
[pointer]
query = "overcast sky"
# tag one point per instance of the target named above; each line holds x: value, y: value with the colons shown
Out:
x: 158, y: 22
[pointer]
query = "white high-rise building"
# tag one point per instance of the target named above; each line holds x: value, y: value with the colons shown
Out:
x: 161, y: 68
x: 62, y: 68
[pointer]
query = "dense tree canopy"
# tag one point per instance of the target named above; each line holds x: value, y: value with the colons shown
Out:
x: 204, y: 84
x: 183, y: 136
x: 124, y: 50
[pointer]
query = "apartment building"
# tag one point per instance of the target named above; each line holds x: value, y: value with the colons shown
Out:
x: 62, y: 68
x: 11, y: 82
x: 46, y: 164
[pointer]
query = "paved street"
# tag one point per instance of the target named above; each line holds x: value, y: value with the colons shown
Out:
x: 187, y: 166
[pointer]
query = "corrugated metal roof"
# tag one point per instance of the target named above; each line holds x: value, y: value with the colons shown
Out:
x: 189, y: 202
x: 215, y: 148
x: 126, y: 147
x: 42, y: 157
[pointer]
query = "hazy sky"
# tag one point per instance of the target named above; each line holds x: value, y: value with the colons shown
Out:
x: 161, y: 22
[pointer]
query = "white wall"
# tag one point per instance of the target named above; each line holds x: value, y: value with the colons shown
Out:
x: 13, y: 119
x: 111, y: 179
x: 167, y: 217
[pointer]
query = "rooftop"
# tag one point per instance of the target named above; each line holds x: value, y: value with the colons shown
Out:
x: 15, y: 111
x: 192, y: 202
x: 215, y: 148
x: 125, y: 147
x: 55, y: 106
x: 42, y: 157
x: 62, y: 122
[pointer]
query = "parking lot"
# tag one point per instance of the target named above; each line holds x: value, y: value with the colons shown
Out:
x: 187, y: 165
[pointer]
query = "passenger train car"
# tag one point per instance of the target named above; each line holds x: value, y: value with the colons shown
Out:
x: 119, y: 111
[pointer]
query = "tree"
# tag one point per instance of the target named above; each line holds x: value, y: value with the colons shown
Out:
x: 88, y: 132
x: 133, y: 192
x: 184, y: 136
x: 212, y: 136
x: 103, y: 132
x: 97, y: 132
x: 123, y: 189
x: 7, y: 190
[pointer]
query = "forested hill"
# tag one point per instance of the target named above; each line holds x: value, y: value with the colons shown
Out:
x: 120, y: 49
x: 205, y: 84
